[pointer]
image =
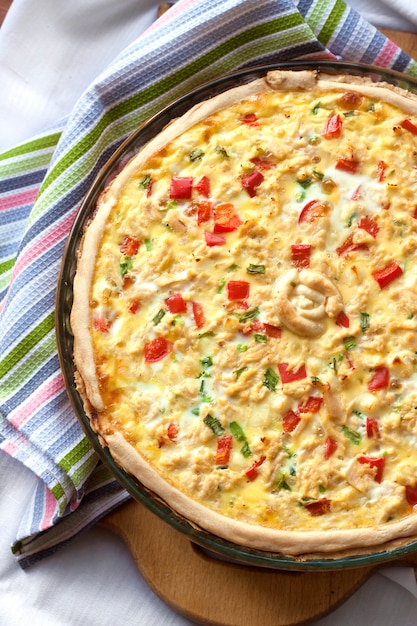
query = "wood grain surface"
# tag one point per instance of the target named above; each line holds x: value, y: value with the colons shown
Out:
x: 217, y: 592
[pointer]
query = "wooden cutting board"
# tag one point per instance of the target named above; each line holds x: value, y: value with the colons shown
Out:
x: 216, y: 592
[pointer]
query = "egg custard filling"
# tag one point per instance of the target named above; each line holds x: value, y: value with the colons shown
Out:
x: 245, y: 314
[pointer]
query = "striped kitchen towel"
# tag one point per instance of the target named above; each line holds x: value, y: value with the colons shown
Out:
x: 42, y: 183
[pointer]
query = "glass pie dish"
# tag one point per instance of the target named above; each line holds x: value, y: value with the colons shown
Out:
x: 211, y: 542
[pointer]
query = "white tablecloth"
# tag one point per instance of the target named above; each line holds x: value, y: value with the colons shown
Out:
x: 49, y: 52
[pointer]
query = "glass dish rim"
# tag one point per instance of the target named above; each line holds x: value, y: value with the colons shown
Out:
x: 212, y: 543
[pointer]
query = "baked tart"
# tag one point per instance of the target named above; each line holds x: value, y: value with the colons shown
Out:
x: 245, y: 314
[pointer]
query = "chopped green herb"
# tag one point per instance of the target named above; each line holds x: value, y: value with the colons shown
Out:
x: 145, y: 182
x: 245, y: 450
x: 353, y: 436
x: 148, y: 244
x: 301, y: 197
x: 349, y: 113
x: 171, y: 204
x: 260, y: 338
x: 238, y: 373
x: 250, y: 314
x: 322, y: 489
x: 126, y: 265
x: 316, y: 108
x: 304, y: 182
x: 204, y: 374
x: 237, y: 431
x: 222, y: 151
x: 222, y: 283
x: 280, y: 483
x: 318, y: 175
x: 214, y: 424
x: 335, y: 361
x: 371, y: 107
x: 209, y: 333
x: 233, y: 267
x: 314, y: 140
x: 195, y: 411
x: 206, y: 361
x: 177, y: 320
x: 349, y: 342
x: 358, y: 414
x: 351, y: 219
x: 288, y: 451
x: 158, y: 317
x: 242, y: 347
x: 271, y: 379
x: 255, y: 269
x: 196, y: 154
x: 204, y: 396
x: 364, y: 321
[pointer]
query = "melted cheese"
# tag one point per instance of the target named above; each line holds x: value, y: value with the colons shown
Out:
x: 228, y: 370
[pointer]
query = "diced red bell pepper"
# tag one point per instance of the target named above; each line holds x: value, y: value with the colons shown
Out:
x: 374, y: 462
x: 173, y: 431
x: 252, y: 181
x: 272, y: 331
x: 181, y: 188
x: 238, y: 289
x: 312, y: 405
x: 226, y: 218
x: 129, y: 246
x: 101, y: 324
x: 411, y: 495
x: 176, y: 304
x: 389, y: 273
x: 350, y: 246
x: 408, y: 125
x: 224, y: 448
x: 252, y: 472
x: 157, y: 349
x: 213, y: 239
x: 372, y: 428
x: 134, y: 306
x: 198, y: 314
x: 204, y: 211
x: 254, y: 327
x: 357, y: 193
x: 203, y: 186
x: 343, y: 320
x: 330, y: 447
x: 313, y: 210
x: 347, y: 165
x: 370, y: 225
x: 319, y: 507
x: 263, y: 164
x: 382, y: 166
x: 380, y: 379
x: 250, y: 119
x: 333, y: 127
x: 300, y: 254
x: 290, y: 421
x: 291, y: 375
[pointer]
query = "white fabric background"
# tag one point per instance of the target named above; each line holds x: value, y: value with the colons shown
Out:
x: 49, y: 52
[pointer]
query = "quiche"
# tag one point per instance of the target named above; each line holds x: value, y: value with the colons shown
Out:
x: 245, y: 314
